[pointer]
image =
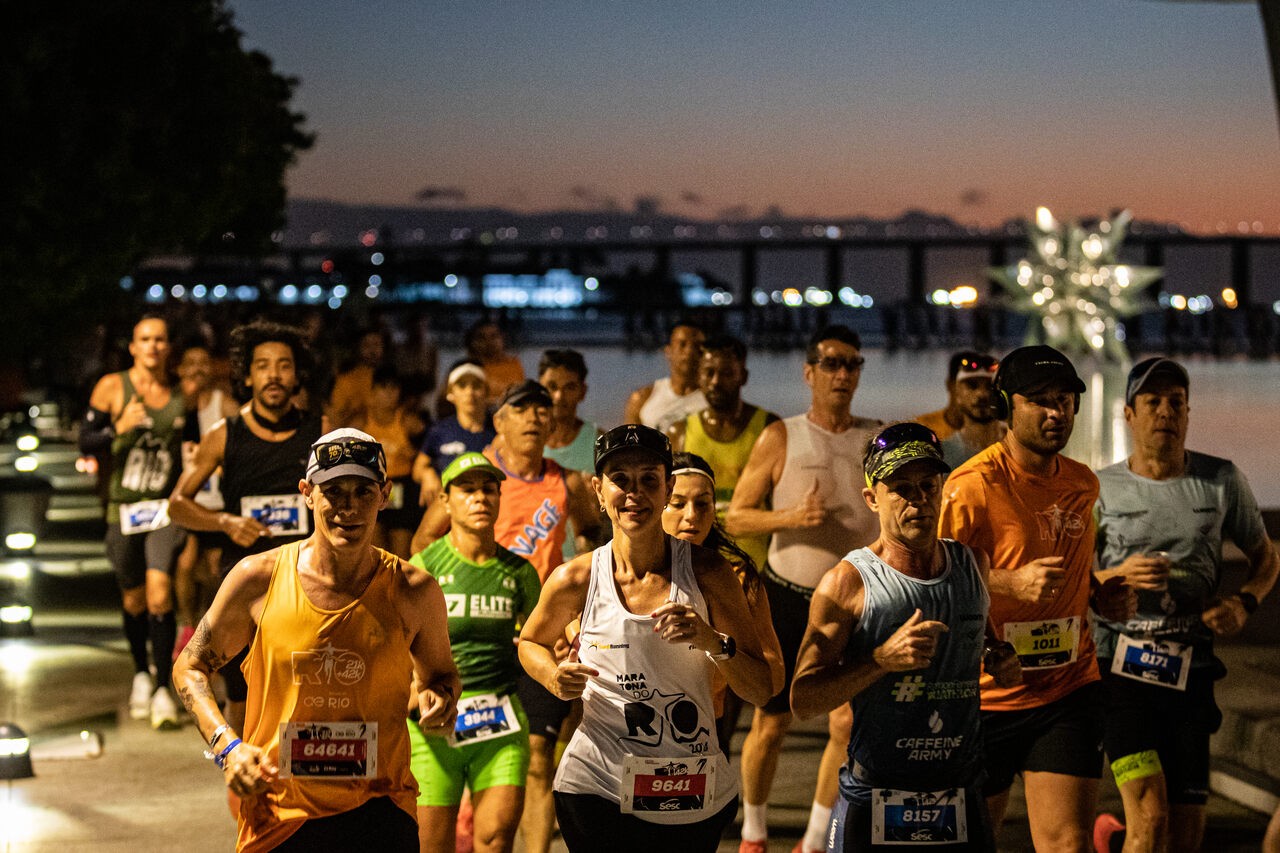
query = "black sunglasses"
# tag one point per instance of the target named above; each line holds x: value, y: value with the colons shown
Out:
x: 832, y: 364
x: 331, y: 453
x: 900, y: 434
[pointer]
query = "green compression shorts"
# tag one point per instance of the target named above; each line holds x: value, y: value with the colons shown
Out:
x: 443, y: 771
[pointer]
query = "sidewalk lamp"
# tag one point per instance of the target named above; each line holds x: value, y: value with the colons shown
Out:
x: 15, y: 752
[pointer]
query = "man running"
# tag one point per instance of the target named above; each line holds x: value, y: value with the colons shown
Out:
x: 1162, y: 516
x: 805, y: 468
x: 898, y: 630
x: 725, y: 431
x: 973, y: 397
x: 571, y: 442
x: 963, y: 367
x: 324, y: 760
x: 262, y: 452
x: 671, y: 398
x: 137, y: 418
x: 489, y: 592
x: 1031, y: 510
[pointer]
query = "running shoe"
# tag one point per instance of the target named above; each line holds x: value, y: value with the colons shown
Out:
x: 140, y: 695
x: 1105, y: 828
x: 164, y: 711
x: 753, y: 846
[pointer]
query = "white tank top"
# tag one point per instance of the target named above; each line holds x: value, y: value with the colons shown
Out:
x: 210, y: 494
x: 652, y: 700
x: 664, y: 406
x: 834, y: 459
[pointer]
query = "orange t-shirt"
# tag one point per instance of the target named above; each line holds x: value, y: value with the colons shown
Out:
x: 992, y: 504
x: 937, y: 421
x: 328, y: 668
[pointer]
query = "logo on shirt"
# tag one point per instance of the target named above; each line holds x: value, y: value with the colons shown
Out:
x: 1056, y: 522
x: 665, y: 716
x: 908, y: 689
x: 328, y: 665
x: 545, y: 519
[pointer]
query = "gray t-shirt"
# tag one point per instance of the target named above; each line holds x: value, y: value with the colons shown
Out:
x: 1188, y: 517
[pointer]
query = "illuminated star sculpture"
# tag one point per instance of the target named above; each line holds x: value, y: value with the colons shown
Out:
x: 1073, y: 283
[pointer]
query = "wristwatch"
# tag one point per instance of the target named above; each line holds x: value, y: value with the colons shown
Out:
x: 1249, y: 600
x: 728, y: 648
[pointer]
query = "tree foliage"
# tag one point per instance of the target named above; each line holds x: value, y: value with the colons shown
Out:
x: 132, y: 127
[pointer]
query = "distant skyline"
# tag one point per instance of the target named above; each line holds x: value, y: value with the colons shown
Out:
x: 978, y: 110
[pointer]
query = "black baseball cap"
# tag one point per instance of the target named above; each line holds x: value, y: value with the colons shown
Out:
x: 525, y: 392
x: 633, y: 436
x: 1152, y: 368
x: 1030, y: 369
x: 900, y: 444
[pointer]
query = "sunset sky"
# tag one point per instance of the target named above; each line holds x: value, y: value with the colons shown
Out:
x: 977, y: 109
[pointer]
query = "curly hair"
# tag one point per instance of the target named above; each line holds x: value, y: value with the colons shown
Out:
x: 245, y: 339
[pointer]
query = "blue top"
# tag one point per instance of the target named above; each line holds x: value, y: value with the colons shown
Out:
x: 918, y: 730
x: 446, y: 440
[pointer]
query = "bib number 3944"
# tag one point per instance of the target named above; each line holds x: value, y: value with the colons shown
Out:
x: 339, y: 750
x: 482, y: 717
x: 685, y: 785
x: 1161, y: 662
x: 918, y: 817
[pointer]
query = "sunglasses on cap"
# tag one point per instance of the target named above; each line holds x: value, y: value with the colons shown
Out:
x: 900, y: 434
x: 983, y: 364
x: 833, y: 364
x: 332, y: 453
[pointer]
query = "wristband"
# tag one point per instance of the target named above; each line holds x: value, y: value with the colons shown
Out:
x: 221, y: 758
x: 219, y: 732
x: 1249, y: 600
x: 728, y: 648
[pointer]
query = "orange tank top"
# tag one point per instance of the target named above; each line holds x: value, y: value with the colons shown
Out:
x: 534, y: 515
x: 320, y: 681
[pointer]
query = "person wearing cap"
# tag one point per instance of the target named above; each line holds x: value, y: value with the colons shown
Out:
x: 1162, y: 517
x: 799, y: 488
x: 489, y: 591
x: 690, y: 514
x: 262, y: 452
x: 1030, y: 509
x: 670, y: 398
x: 725, y: 431
x: 323, y: 760
x: 465, y: 429
x: 969, y: 376
x: 657, y: 619
x: 899, y: 630
x: 539, y: 500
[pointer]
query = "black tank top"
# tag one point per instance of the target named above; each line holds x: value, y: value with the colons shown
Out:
x: 251, y: 466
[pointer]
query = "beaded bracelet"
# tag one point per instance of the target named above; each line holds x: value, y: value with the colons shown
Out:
x: 221, y: 758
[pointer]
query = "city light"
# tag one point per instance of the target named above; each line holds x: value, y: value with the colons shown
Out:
x: 27, y: 443
x: 20, y: 541
x: 26, y: 464
x: 1229, y: 297
x: 377, y: 258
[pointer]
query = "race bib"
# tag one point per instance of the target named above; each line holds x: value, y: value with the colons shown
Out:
x: 283, y: 515
x: 482, y: 717
x: 925, y: 817
x: 1045, y: 644
x: 1161, y: 662
x: 343, y: 750
x: 396, y: 499
x: 144, y: 516
x: 667, y: 785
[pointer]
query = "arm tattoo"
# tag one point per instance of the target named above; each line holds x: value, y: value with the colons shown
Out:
x: 200, y: 648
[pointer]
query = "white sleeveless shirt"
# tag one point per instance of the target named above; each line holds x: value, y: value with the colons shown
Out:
x: 651, y: 702
x: 664, y: 406
x: 834, y: 460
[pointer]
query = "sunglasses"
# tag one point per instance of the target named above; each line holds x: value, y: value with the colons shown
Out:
x: 989, y: 365
x: 833, y: 364
x: 900, y: 434
x: 366, y: 453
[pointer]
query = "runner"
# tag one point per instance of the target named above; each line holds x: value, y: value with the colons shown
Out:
x: 657, y: 618
x: 725, y: 431
x: 488, y: 591
x: 963, y: 367
x: 806, y: 468
x: 137, y: 418
x: 1162, y: 517
x: 973, y: 398
x: 671, y: 398
x: 324, y: 760
x: 465, y: 428
x: 690, y: 514
x: 487, y: 346
x: 908, y: 603
x: 397, y: 429
x: 1030, y: 509
x: 261, y: 452
x: 349, y: 399
x: 571, y: 443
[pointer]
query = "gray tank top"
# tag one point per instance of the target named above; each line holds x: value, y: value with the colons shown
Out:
x: 834, y: 460
x: 652, y: 699
x: 918, y: 730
